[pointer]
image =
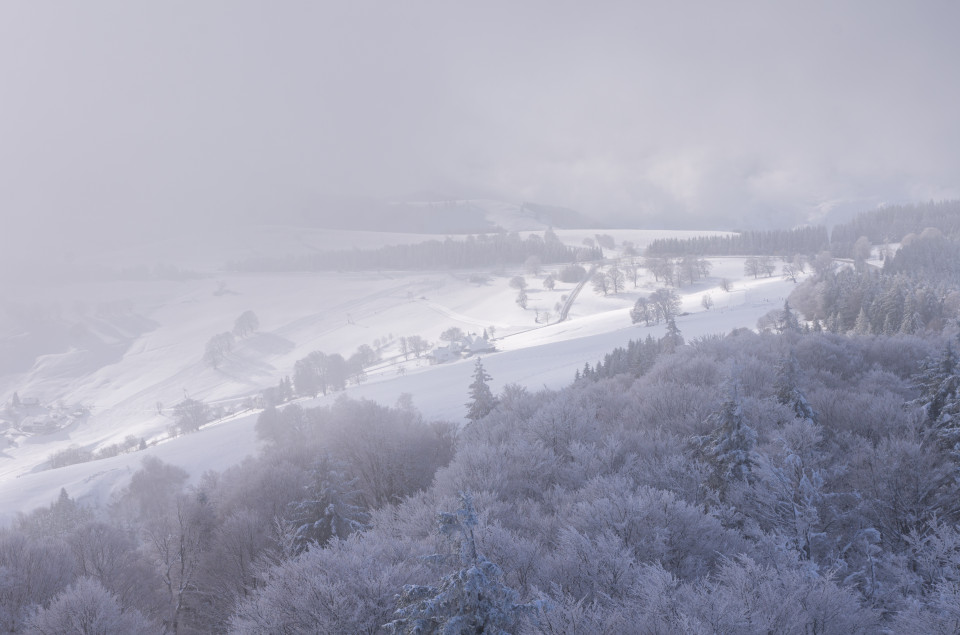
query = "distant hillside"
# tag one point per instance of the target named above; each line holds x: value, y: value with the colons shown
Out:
x: 891, y: 224
x: 476, y: 216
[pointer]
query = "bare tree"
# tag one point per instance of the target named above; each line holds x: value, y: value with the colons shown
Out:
x: 601, y: 283
x: 633, y: 272
x: 418, y: 345
x: 617, y: 279
x: 522, y: 299
x: 452, y: 334
x: 766, y: 266
x: 661, y: 268
x: 190, y: 414
x: 246, y: 324
x: 217, y: 348
x: 666, y: 304
x: 790, y: 271
x: 532, y: 265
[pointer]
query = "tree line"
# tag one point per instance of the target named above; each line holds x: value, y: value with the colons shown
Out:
x: 484, y: 250
x: 774, y: 242
x: 893, y: 223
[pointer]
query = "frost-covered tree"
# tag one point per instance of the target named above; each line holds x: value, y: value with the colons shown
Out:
x: 175, y: 528
x: 190, y: 414
x: 730, y: 447
x: 791, y: 271
x: 642, y: 311
x: 452, y: 334
x: 57, y: 520
x: 939, y: 384
x: 862, y: 325
x: 471, y: 600
x: 482, y: 400
x: 217, y: 348
x: 673, y: 338
x: 788, y: 388
x: 418, y: 345
x: 32, y: 572
x: 617, y: 279
x: 306, y: 377
x: 601, y: 282
x: 331, y: 507
x: 522, y: 298
x: 788, y: 321
x: 86, y: 608
x: 247, y: 323
x: 666, y: 303
x: 533, y: 265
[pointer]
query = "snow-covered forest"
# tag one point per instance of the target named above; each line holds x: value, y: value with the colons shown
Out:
x: 479, y: 318
x: 800, y: 476
x: 791, y: 482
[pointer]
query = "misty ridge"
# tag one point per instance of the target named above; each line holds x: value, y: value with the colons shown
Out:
x: 536, y: 318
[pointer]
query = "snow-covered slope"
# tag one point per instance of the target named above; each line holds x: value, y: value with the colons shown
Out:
x: 151, y: 336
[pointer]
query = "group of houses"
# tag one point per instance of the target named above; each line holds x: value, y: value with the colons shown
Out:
x: 464, y: 346
x: 27, y: 415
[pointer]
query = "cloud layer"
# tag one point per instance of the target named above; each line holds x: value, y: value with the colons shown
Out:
x: 147, y: 116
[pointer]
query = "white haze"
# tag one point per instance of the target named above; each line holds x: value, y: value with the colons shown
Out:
x: 124, y: 120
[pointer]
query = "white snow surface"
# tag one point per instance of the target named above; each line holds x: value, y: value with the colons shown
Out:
x: 158, y: 331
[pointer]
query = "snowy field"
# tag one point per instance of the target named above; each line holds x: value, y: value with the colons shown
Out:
x: 152, y: 336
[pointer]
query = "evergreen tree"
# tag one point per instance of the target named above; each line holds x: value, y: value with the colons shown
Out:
x: 331, y: 509
x: 730, y: 447
x: 862, y: 325
x: 471, y: 600
x: 673, y: 338
x: 482, y: 400
x: 939, y: 384
x: 789, y: 322
x: 788, y: 391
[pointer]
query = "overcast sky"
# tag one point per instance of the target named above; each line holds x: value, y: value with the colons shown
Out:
x: 707, y: 114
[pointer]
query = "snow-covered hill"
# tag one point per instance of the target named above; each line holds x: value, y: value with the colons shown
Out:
x: 128, y: 351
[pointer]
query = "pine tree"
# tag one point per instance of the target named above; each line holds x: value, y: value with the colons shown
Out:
x: 939, y: 384
x: 788, y: 392
x: 789, y: 322
x: 673, y: 338
x: 730, y: 447
x: 471, y: 600
x: 862, y: 325
x: 482, y: 400
x: 331, y: 509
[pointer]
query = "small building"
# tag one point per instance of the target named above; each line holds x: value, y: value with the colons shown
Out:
x: 38, y: 425
x: 477, y: 344
x: 461, y: 348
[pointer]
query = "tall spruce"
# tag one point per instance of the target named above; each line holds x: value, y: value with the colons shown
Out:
x: 939, y: 384
x: 730, y: 447
x: 472, y: 599
x: 788, y: 390
x: 482, y: 400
